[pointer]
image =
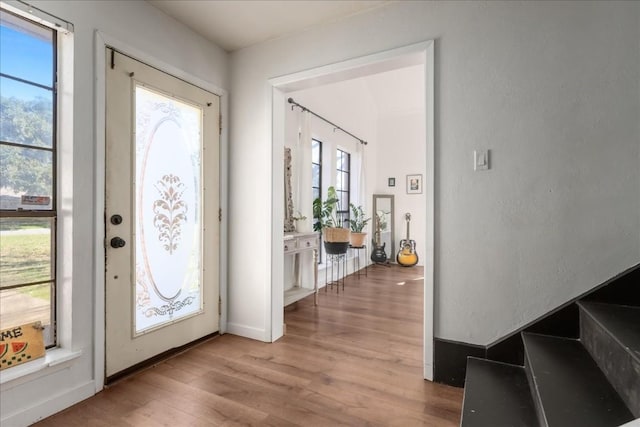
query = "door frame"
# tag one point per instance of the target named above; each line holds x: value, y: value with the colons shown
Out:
x: 101, y: 42
x: 422, y: 52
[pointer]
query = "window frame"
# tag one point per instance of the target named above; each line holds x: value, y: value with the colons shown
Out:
x: 319, y: 165
x: 319, y: 188
x: 51, y: 336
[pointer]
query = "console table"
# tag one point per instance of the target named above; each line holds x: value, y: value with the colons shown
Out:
x: 293, y: 245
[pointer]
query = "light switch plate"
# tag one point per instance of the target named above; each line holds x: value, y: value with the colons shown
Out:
x: 480, y: 160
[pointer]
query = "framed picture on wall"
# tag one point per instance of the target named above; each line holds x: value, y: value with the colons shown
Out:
x: 414, y: 184
x: 391, y: 182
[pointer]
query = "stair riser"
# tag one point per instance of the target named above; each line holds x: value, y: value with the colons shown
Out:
x: 621, y: 369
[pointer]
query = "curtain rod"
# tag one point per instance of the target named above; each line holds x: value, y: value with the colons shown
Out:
x: 303, y: 108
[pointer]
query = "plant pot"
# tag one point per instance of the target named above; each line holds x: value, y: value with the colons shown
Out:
x: 335, y: 248
x: 336, y: 235
x: 357, y: 239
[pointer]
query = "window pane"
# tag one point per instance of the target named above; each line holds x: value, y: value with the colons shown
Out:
x: 26, y: 50
x: 316, y: 193
x: 26, y: 174
x: 344, y: 201
x: 315, y: 151
x: 342, y: 181
x: 343, y: 220
x: 25, y: 250
x: 338, y: 181
x: 25, y: 305
x: 315, y: 175
x: 26, y: 113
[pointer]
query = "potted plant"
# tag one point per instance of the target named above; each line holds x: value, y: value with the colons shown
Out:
x: 325, y: 213
x: 357, y: 223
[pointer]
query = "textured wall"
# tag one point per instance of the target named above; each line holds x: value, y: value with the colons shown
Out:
x: 552, y: 88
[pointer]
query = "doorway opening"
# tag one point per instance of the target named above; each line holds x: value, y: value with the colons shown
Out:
x: 414, y: 57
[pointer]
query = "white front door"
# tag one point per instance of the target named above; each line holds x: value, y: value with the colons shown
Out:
x: 161, y: 215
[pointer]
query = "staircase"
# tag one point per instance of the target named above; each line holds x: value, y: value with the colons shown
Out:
x: 591, y: 380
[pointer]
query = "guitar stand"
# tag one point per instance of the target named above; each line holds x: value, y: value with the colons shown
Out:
x: 383, y: 264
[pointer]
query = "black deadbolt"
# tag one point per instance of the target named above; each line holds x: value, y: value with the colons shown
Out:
x: 117, y: 242
x: 116, y: 219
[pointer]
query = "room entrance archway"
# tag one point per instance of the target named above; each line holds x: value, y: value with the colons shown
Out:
x: 420, y: 53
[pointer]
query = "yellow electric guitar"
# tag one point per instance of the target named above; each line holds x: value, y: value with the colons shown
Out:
x: 407, y: 255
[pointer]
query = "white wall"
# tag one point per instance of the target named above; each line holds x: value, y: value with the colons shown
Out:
x: 552, y: 88
x: 402, y: 152
x: 148, y: 30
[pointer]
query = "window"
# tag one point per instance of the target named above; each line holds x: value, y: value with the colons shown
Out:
x: 28, y: 174
x: 316, y: 166
x: 316, y: 177
x: 343, y: 184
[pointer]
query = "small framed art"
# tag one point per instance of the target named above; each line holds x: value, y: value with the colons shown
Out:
x: 391, y: 182
x: 414, y: 184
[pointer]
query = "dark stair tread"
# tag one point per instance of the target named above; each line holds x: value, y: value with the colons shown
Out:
x: 496, y: 394
x: 571, y: 389
x: 621, y: 321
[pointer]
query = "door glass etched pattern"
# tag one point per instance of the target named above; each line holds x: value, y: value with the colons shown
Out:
x: 168, y: 260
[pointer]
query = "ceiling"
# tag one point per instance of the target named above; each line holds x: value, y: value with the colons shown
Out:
x: 235, y: 24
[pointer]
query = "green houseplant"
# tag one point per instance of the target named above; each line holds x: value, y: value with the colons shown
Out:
x: 357, y: 224
x: 325, y: 214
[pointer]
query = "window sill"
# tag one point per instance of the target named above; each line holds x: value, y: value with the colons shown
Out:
x: 54, y: 358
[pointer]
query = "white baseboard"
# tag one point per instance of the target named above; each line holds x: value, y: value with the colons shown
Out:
x: 48, y: 407
x: 248, y: 332
x: 428, y: 372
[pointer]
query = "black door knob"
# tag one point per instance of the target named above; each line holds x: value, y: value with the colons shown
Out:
x: 117, y: 242
x: 116, y: 219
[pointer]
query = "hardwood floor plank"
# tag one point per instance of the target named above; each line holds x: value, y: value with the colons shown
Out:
x: 213, y: 408
x: 354, y: 360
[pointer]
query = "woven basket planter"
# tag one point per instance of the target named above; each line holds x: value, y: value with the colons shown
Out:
x: 357, y: 239
x: 336, y: 235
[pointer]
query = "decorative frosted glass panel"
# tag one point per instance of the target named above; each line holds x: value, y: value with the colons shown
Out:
x: 168, y: 260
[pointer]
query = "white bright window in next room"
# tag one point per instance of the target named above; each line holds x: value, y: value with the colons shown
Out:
x: 30, y: 178
x: 343, y: 185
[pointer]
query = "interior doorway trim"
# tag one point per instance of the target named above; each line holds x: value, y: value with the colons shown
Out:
x: 101, y: 42
x: 419, y: 53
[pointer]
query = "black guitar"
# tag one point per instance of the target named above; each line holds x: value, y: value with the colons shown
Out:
x: 378, y: 254
x: 407, y: 255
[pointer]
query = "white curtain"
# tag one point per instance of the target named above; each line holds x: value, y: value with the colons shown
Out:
x: 303, y: 175
x: 358, y: 176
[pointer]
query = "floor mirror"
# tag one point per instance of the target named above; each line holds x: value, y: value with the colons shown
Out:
x: 383, y: 226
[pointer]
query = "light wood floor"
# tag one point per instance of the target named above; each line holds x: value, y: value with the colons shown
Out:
x: 354, y: 360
